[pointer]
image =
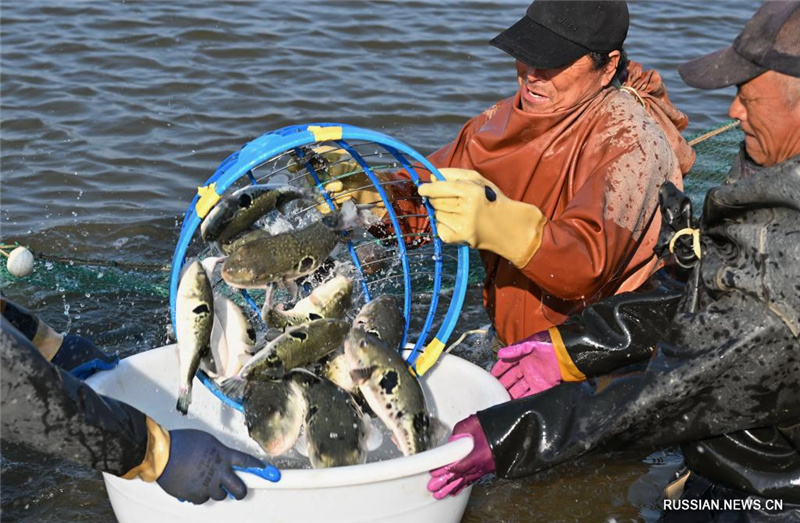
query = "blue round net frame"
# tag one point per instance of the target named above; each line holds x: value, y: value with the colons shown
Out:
x: 427, y: 272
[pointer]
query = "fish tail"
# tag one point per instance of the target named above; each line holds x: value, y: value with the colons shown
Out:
x: 234, y: 388
x: 184, y: 399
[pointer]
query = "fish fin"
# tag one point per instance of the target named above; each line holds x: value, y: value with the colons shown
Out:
x: 274, y: 319
x: 234, y: 388
x: 294, y: 291
x: 301, y: 444
x: 361, y: 375
x: 267, y: 301
x: 184, y: 399
x: 210, y: 263
x: 352, y: 216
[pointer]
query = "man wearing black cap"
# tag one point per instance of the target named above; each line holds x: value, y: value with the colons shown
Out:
x: 724, y: 379
x: 565, y: 171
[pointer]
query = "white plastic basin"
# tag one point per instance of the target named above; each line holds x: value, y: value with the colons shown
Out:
x: 392, y: 490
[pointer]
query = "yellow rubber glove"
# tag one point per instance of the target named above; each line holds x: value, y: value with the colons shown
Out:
x: 156, y: 456
x: 344, y: 179
x: 470, y: 209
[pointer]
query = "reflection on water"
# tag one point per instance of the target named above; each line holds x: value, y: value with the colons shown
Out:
x: 112, y: 114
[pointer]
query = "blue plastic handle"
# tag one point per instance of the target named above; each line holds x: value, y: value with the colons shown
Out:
x: 267, y: 472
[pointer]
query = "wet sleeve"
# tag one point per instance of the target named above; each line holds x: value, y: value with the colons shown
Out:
x: 612, y: 208
x: 615, y: 332
x: 730, y: 367
x: 43, y: 337
x: 53, y: 412
x: 20, y: 318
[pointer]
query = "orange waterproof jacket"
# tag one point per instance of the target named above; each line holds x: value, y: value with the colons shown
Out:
x: 594, y: 171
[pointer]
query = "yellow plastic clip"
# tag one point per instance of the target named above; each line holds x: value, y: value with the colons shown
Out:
x: 427, y: 359
x: 208, y: 199
x: 688, y: 231
x: 323, y: 134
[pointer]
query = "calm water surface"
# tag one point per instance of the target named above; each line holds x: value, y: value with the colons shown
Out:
x: 113, y: 112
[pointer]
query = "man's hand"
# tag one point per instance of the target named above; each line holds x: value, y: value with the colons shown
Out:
x: 528, y: 367
x: 200, y: 467
x: 82, y: 358
x: 470, y: 209
x: 343, y: 179
x: 455, y: 477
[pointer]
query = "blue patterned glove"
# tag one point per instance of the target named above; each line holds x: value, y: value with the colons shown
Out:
x: 82, y: 358
x: 200, y: 467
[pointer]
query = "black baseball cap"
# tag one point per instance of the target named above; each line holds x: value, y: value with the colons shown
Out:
x: 555, y: 33
x: 769, y: 41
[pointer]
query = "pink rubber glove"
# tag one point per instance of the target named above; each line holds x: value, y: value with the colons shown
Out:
x: 528, y: 367
x: 455, y: 477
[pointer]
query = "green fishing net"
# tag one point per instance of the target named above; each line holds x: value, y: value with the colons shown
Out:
x: 716, y: 149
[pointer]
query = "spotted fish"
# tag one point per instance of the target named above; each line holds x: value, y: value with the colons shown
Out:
x: 231, y: 337
x: 235, y: 213
x: 290, y: 255
x: 194, y: 319
x: 329, y: 300
x: 297, y: 347
x: 274, y: 412
x: 335, y: 427
x: 383, y: 318
x: 392, y: 392
x: 284, y: 256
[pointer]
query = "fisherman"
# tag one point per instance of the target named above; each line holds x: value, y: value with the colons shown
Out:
x: 724, y: 379
x: 52, y: 411
x: 564, y: 173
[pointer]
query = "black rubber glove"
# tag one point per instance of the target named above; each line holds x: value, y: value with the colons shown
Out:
x: 200, y: 467
x: 81, y: 358
x: 676, y: 215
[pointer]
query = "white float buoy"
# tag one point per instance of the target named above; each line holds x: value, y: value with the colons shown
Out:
x: 20, y: 262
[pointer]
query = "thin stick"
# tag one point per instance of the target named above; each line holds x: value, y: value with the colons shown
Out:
x: 714, y: 133
x: 4, y: 253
